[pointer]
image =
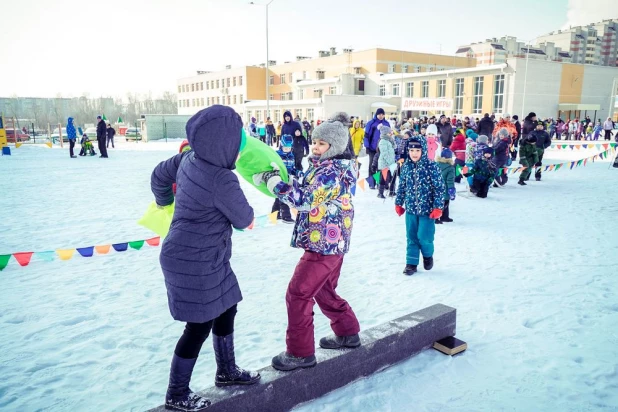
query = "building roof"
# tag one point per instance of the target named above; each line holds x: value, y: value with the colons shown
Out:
x: 462, y: 50
x: 579, y: 36
x: 497, y: 46
x: 564, y: 54
x: 533, y: 51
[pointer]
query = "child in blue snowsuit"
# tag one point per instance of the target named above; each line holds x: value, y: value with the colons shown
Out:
x: 421, y: 197
x: 287, y: 155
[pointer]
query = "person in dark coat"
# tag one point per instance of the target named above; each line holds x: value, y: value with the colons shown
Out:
x: 202, y: 288
x: 110, y: 135
x: 372, y: 137
x: 529, y: 125
x: 72, y: 136
x: 101, y: 137
x: 516, y: 139
x: 486, y: 126
x: 543, y: 141
x: 445, y: 129
x: 300, y: 147
x: 501, y: 150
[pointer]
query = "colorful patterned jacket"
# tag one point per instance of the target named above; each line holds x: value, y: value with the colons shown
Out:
x: 421, y: 187
x: 324, y: 203
x: 289, y: 161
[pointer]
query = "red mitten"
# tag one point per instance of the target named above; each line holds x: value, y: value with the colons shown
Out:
x: 400, y: 210
x: 435, y: 214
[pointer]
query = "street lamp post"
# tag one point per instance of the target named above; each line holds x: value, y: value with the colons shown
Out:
x: 267, y: 61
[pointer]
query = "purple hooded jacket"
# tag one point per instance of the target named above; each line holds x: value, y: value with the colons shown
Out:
x: 195, y: 256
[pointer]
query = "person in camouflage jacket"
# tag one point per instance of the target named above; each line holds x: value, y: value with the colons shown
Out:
x: 528, y: 157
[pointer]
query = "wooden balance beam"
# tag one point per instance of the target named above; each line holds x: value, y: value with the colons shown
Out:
x: 382, y: 346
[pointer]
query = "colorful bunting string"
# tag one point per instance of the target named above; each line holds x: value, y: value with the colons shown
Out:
x: 557, y: 166
x: 563, y: 146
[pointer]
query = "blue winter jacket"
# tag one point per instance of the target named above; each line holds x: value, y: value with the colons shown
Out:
x: 372, y: 134
x: 421, y: 186
x: 289, y: 161
x: 71, y: 132
x: 195, y: 256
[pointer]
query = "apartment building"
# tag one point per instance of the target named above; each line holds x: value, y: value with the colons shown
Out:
x: 496, y: 51
x: 595, y: 43
x: 299, y: 83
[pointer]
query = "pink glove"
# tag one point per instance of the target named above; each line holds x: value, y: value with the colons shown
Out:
x: 435, y: 214
x: 400, y: 210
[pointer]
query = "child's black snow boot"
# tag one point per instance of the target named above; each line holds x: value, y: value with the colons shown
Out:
x: 287, y: 362
x: 228, y: 373
x: 337, y: 342
x: 428, y: 263
x: 409, y: 270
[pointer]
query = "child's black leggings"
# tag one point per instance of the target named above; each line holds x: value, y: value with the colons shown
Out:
x: 194, y: 335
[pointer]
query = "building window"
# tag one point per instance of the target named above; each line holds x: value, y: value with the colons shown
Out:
x: 282, y: 78
x: 332, y: 90
x: 258, y: 115
x: 179, y: 103
x: 299, y: 113
x: 249, y: 115
x: 410, y: 89
x: 361, y: 85
x: 301, y: 94
x: 395, y: 89
x: 229, y: 100
x: 317, y: 93
x: 228, y: 82
x: 290, y: 96
x: 217, y: 84
x: 290, y: 77
x: 234, y: 81
x: 404, y: 68
x: 183, y: 88
x: 310, y: 114
x: 179, y: 89
x: 241, y: 99
x: 208, y: 101
x: 499, y: 93
x: 235, y: 99
x: 201, y: 85
x: 271, y: 80
x: 304, y: 75
x: 192, y: 87
x: 240, y: 80
x: 418, y: 69
x: 391, y: 67
x: 459, y: 92
x: 441, y: 88
x: 277, y: 115
x: 282, y: 96
x: 187, y: 103
x: 382, y: 90
x: 202, y: 100
x: 271, y: 96
x: 478, y: 95
x: 425, y: 88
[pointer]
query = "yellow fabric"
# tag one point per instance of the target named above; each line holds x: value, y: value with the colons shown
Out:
x: 273, y: 217
x: 17, y: 145
x: 358, y: 135
x: 158, y: 219
x: 49, y: 144
x: 65, y: 254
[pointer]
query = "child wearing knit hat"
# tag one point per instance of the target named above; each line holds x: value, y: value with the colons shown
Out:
x: 323, y: 229
x: 447, y: 169
x: 431, y: 137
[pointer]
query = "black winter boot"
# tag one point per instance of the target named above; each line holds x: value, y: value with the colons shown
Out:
x: 428, y: 263
x: 179, y: 397
x: 287, y: 362
x: 521, y: 183
x: 409, y: 270
x: 337, y: 342
x: 227, y: 372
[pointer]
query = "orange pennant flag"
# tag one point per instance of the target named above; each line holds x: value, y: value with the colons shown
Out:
x: 605, y: 146
x: 361, y: 184
x: 559, y: 147
x: 578, y: 147
x: 154, y: 241
x: 385, y: 173
x: 102, y: 250
x: 65, y: 254
x: 294, y: 212
x: 551, y: 167
x: 273, y: 218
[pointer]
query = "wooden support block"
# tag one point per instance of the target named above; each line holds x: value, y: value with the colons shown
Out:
x: 450, y: 346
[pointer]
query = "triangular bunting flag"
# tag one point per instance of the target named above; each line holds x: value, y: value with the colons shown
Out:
x: 457, y: 170
x: 564, y: 146
x: 136, y: 244
x: 605, y: 146
x: 104, y: 118
x: 601, y: 155
x: 47, y: 256
x: 18, y: 145
x: 102, y: 249
x: 546, y: 168
x: 361, y: 184
x: 551, y: 167
x: 119, y: 120
x: 571, y: 146
x: 86, y: 251
x: 572, y: 164
x: 559, y: 147
x: 154, y: 241
x: 594, y: 158
x: 353, y: 190
x: 385, y: 173
x: 273, y: 218
x: 294, y: 212
x: 23, y: 258
x: 4, y: 260
x: 65, y: 254
x: 580, y: 162
x: 558, y: 166
x: 376, y: 177
x: 49, y: 144
x: 120, y: 247
x: 585, y: 146
x: 585, y: 160
x: 578, y: 147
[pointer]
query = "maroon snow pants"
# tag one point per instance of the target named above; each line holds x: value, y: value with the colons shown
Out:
x: 315, y: 280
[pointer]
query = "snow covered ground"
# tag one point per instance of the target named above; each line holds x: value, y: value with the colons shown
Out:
x: 531, y: 271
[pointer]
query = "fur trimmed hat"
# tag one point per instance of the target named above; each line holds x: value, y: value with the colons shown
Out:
x: 335, y: 132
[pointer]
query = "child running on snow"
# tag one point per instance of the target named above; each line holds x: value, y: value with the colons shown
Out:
x: 447, y: 169
x: 202, y: 289
x: 323, y: 229
x: 421, y: 197
x: 483, y: 171
x: 286, y: 154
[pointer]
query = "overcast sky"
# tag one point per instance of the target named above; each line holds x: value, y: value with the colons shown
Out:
x: 109, y: 48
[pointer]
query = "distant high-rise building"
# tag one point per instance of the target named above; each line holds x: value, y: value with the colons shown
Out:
x: 496, y: 51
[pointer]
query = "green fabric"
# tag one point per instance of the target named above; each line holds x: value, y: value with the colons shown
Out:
x: 137, y: 244
x: 158, y: 219
x: 4, y: 260
x: 448, y: 175
x: 256, y: 157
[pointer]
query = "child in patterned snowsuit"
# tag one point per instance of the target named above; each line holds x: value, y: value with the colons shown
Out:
x: 447, y: 169
x: 483, y: 172
x: 323, y: 229
x: 421, y: 190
